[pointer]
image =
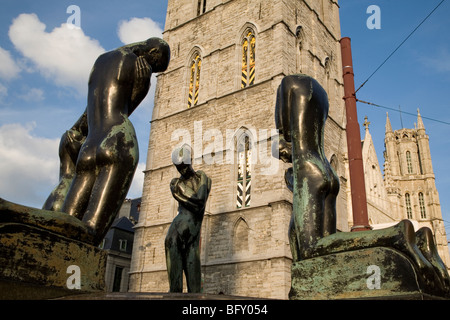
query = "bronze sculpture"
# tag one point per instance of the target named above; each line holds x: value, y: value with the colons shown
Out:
x: 99, y: 154
x: 300, y: 114
x: 191, y: 190
x: 98, y: 158
x: 69, y: 147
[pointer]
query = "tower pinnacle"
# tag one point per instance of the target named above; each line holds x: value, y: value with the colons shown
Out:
x: 388, y: 124
x: 420, y: 125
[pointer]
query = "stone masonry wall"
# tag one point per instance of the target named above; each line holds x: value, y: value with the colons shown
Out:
x: 243, y: 251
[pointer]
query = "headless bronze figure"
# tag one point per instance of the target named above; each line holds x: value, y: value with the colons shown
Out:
x: 98, y: 158
x: 191, y: 190
x: 300, y: 114
x: 99, y: 154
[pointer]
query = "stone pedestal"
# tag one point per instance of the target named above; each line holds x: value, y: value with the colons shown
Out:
x: 374, y: 273
x: 39, y: 261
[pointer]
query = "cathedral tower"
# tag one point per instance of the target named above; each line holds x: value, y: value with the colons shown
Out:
x: 218, y: 95
x: 410, y: 181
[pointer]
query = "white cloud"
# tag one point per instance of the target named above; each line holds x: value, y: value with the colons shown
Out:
x: 138, y: 182
x: 29, y: 165
x: 33, y: 95
x: 8, y: 67
x: 138, y: 29
x: 64, y: 55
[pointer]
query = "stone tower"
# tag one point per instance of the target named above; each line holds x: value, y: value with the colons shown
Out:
x: 218, y: 95
x: 410, y: 181
x: 379, y: 209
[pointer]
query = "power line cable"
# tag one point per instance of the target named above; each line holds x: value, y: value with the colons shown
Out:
x: 398, y: 47
x: 396, y: 110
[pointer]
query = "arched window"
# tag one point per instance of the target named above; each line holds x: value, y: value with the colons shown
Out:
x: 194, y: 79
x: 240, y: 236
x: 423, y: 213
x: 244, y: 172
x: 248, y: 58
x: 408, y: 162
x: 408, y: 206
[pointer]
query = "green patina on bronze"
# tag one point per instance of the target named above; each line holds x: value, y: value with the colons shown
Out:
x: 325, y: 262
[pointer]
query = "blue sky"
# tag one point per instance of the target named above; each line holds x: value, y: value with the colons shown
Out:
x: 44, y: 68
x: 416, y: 76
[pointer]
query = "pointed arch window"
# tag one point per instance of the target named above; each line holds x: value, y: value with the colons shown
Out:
x: 423, y: 213
x: 244, y: 172
x: 194, y: 79
x: 409, y: 162
x: 248, y: 59
x: 408, y: 206
x: 240, y: 237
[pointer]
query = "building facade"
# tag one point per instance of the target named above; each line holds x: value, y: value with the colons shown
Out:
x: 218, y: 95
x: 118, y: 243
x: 408, y: 188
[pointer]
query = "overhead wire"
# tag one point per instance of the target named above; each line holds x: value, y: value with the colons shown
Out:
x: 398, y: 47
x: 408, y: 113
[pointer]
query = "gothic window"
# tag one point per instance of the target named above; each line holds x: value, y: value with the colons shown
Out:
x: 423, y: 214
x: 299, y: 37
x: 244, y: 174
x: 240, y: 239
x: 408, y: 162
x: 248, y: 59
x: 201, y: 7
x: 408, y: 206
x: 194, y: 79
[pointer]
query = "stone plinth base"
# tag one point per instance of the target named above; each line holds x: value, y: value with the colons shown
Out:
x: 374, y: 273
x: 155, y: 296
x: 36, y: 263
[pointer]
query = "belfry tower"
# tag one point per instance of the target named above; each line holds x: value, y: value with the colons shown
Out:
x: 218, y: 95
x: 410, y: 181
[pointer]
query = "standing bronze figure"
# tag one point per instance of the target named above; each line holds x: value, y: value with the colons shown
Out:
x: 182, y: 243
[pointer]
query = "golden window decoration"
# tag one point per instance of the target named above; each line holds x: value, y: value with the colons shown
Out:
x: 194, y: 80
x: 248, y: 59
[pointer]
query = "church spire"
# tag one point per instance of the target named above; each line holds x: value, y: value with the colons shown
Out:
x: 420, y: 125
x: 388, y: 124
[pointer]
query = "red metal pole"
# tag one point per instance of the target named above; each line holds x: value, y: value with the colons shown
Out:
x: 357, y: 184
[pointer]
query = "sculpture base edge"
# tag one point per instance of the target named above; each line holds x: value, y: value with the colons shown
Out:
x: 39, y: 264
x: 374, y: 273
